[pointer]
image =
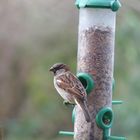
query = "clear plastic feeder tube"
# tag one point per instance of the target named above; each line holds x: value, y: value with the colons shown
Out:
x: 90, y: 17
x: 95, y: 56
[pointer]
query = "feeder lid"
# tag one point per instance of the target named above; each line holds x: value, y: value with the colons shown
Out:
x: 114, y: 5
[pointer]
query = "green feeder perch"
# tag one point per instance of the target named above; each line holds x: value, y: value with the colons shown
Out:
x: 66, y: 133
x: 116, y: 102
x: 115, y: 138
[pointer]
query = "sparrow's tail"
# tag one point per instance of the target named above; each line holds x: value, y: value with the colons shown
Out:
x: 83, y: 105
x: 86, y: 112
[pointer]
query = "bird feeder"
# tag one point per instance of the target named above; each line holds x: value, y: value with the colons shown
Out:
x: 96, y: 37
x: 95, y: 67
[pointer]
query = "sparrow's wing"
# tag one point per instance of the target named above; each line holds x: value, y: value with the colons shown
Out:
x: 71, y: 84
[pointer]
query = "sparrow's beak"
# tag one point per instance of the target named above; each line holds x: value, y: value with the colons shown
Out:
x: 51, y: 69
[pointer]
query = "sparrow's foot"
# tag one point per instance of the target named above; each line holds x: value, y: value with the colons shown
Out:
x: 67, y: 103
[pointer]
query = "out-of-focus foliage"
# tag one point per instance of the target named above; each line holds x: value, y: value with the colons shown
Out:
x: 36, y: 34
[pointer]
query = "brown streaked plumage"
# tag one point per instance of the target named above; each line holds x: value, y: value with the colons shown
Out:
x: 70, y: 87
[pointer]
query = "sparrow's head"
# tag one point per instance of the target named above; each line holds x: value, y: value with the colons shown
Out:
x: 59, y: 67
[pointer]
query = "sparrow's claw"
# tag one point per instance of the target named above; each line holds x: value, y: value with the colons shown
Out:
x: 67, y: 103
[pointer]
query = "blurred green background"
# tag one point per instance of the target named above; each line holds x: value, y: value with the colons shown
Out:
x: 36, y: 34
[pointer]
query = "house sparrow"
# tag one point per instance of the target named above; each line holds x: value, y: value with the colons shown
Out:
x: 70, y: 87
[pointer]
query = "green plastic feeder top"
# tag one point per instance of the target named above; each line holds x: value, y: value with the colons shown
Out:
x: 114, y: 5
